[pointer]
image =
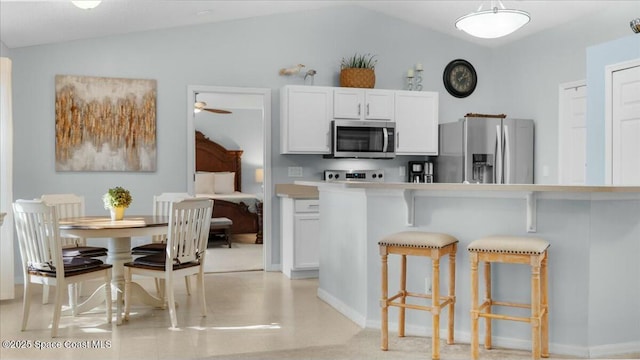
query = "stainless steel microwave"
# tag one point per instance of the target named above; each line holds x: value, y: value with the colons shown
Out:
x: 363, y: 139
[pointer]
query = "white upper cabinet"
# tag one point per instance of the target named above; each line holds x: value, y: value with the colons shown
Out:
x: 361, y: 104
x: 416, y: 116
x: 305, y: 119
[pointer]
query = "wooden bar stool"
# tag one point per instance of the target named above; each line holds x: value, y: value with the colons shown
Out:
x: 418, y: 243
x: 515, y: 250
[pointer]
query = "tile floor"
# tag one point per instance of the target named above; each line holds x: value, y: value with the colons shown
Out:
x: 248, y: 312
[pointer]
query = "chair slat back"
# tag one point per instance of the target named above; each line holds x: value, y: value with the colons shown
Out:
x: 189, y: 230
x: 38, y: 235
x: 67, y: 205
x: 162, y: 207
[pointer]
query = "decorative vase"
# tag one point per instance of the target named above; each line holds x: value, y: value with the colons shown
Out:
x: 117, y: 213
x: 358, y: 78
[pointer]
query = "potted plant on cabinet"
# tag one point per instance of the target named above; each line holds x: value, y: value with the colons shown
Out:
x: 116, y: 200
x: 358, y: 71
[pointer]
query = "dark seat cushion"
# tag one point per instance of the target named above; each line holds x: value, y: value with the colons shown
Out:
x: 158, y: 262
x: 85, y: 251
x: 150, y: 249
x: 72, y: 266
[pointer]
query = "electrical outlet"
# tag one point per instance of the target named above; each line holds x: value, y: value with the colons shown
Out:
x: 295, y: 171
x: 402, y: 171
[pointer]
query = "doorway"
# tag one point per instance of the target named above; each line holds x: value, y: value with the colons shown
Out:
x: 245, y: 101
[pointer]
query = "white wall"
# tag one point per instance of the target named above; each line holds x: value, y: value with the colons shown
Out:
x: 527, y: 75
x: 249, y: 53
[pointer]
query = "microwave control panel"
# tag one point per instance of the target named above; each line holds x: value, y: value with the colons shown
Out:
x: 354, y: 175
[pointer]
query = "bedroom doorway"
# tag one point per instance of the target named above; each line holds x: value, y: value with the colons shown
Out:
x: 238, y: 119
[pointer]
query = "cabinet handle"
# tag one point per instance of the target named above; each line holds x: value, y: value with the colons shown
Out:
x: 397, y: 139
x: 367, y: 109
x: 359, y: 109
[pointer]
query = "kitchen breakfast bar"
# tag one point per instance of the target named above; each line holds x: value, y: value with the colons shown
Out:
x: 594, y: 258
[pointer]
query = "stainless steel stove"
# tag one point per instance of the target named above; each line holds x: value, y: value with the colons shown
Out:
x: 354, y: 175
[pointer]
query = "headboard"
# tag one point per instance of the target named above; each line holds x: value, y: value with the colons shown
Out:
x: 212, y: 157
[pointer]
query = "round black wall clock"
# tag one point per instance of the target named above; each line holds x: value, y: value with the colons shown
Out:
x: 460, y: 78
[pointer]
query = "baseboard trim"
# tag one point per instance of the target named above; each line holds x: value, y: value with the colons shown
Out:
x: 342, y: 308
x: 614, y: 349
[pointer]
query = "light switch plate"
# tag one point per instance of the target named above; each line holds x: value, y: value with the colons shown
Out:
x: 402, y: 170
x: 295, y: 171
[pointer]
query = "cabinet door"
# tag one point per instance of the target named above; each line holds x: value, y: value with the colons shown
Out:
x: 306, y: 243
x: 379, y: 105
x: 358, y: 104
x: 348, y: 103
x: 416, y: 116
x: 305, y: 121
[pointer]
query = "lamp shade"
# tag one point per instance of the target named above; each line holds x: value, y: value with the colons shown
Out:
x: 259, y: 175
x: 86, y: 4
x: 493, y: 23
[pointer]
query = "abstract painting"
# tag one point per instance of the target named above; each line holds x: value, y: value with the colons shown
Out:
x: 105, y: 124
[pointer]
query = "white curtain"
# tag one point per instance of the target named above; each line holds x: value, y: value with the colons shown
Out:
x: 6, y: 182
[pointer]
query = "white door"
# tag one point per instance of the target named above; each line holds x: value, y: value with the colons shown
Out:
x: 572, y: 142
x: 625, y: 126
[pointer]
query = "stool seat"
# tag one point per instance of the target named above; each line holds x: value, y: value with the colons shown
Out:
x: 418, y: 239
x: 509, y: 245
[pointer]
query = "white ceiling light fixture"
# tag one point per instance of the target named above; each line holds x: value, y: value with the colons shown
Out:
x: 495, y: 22
x: 86, y: 4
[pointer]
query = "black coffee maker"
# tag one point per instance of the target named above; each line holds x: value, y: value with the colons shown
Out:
x: 420, y: 172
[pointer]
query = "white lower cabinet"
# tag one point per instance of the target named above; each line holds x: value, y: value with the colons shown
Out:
x: 300, y: 230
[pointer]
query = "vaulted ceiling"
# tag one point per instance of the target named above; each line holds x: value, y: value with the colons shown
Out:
x: 27, y: 23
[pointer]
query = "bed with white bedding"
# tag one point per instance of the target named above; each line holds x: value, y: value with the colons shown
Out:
x: 219, y: 177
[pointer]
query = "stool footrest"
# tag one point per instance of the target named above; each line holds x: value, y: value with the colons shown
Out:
x: 446, y: 300
x: 505, y: 317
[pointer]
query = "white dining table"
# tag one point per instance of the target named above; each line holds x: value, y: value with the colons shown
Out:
x: 119, y: 234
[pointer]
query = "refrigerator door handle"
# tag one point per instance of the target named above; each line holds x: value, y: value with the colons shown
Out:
x: 497, y: 169
x: 507, y: 156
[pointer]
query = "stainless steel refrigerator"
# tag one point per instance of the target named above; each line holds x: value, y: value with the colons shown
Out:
x: 489, y: 149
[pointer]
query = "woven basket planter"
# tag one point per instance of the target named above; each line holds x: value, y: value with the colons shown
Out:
x: 357, y: 78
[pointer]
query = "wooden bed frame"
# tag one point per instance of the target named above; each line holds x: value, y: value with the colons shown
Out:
x: 212, y: 157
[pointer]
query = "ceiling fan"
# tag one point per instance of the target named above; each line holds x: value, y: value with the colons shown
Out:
x: 201, y: 105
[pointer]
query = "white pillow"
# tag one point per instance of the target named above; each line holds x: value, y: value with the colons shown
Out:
x: 224, y: 183
x: 205, y: 183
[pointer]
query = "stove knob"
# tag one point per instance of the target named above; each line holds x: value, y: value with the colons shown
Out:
x: 337, y: 176
x: 373, y: 176
x: 380, y: 176
x: 330, y: 176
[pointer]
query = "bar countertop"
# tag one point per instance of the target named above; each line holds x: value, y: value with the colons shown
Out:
x: 476, y: 187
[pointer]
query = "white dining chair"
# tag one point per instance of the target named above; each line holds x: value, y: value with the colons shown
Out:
x: 38, y: 233
x: 158, y: 244
x: 189, y: 223
x: 71, y: 205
